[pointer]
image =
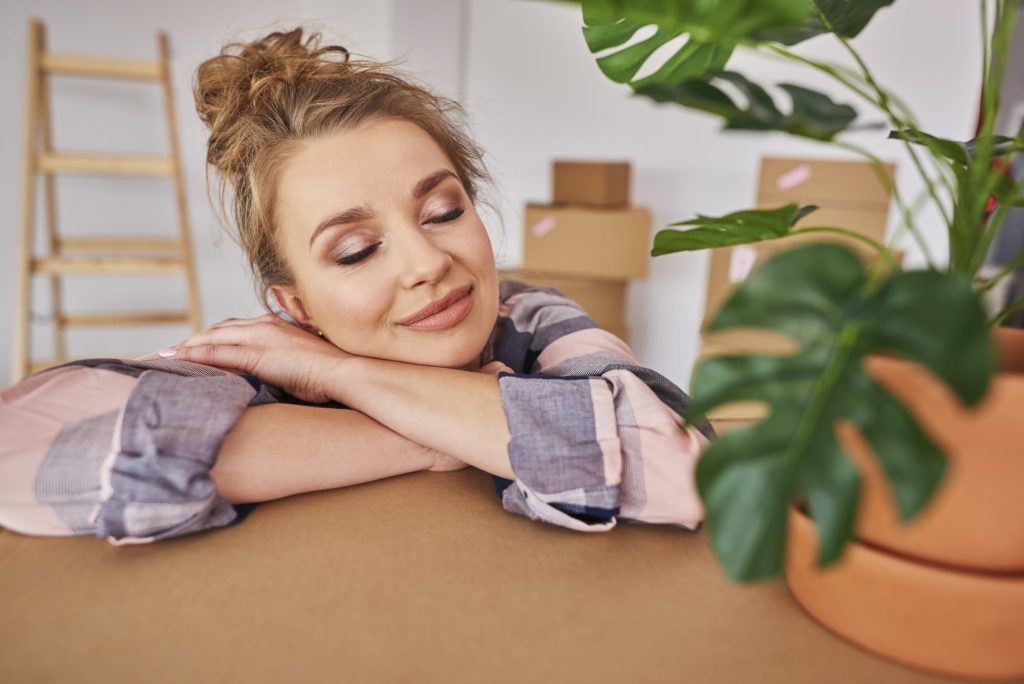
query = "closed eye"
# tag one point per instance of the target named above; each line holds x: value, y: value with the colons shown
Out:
x: 450, y: 216
x: 362, y: 254
x: 358, y: 256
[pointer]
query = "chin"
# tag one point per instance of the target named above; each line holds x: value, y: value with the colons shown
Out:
x: 459, y: 353
x: 459, y: 350
x: 459, y: 358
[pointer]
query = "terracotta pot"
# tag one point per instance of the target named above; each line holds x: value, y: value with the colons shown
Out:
x: 955, y: 622
x: 976, y: 519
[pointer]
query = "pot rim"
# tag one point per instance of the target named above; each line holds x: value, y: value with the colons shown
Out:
x: 1008, y: 374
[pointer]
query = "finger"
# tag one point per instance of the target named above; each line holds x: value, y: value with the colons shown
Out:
x: 265, y: 318
x: 220, y: 355
x: 231, y: 334
x: 494, y: 367
x: 230, y: 321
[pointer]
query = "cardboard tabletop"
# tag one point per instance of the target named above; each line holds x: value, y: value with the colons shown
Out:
x: 417, y: 578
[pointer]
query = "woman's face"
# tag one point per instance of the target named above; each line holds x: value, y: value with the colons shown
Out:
x: 375, y: 225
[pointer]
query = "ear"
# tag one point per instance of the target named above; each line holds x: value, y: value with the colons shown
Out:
x: 289, y: 301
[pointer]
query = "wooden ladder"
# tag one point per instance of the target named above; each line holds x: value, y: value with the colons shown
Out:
x: 95, y: 255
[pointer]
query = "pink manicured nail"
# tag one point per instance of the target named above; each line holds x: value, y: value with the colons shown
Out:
x: 170, y: 351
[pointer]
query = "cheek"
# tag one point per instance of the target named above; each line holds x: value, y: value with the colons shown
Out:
x: 347, y: 309
x: 478, y: 250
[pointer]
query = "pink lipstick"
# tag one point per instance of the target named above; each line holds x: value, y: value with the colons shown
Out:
x: 448, y: 317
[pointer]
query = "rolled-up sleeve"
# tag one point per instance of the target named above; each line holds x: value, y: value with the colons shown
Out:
x: 595, y: 436
x: 120, y: 449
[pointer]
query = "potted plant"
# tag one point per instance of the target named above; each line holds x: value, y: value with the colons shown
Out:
x: 872, y: 441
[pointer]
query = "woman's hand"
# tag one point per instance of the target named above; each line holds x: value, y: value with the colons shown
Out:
x: 493, y: 368
x: 275, y: 351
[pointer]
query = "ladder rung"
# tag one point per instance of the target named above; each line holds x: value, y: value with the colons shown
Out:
x: 36, y: 366
x: 117, y: 243
x: 101, y: 67
x: 108, y: 164
x: 105, y: 265
x: 133, y: 318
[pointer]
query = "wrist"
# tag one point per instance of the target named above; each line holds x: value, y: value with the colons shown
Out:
x: 345, y: 374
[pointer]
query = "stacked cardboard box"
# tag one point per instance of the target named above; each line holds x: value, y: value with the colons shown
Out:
x: 848, y: 195
x: 589, y: 242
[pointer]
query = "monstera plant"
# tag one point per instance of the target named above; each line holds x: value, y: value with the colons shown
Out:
x: 820, y: 294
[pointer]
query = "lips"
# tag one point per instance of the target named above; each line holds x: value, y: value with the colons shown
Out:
x: 438, y: 305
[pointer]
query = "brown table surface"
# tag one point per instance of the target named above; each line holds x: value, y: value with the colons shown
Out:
x: 418, y: 578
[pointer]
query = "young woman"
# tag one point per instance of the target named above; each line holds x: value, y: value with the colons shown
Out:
x: 353, y: 192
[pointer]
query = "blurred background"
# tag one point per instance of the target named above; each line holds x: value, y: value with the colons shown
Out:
x: 532, y: 92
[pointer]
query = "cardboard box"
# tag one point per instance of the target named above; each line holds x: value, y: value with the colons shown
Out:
x: 848, y: 195
x: 418, y: 578
x: 593, y: 184
x: 731, y: 265
x: 824, y: 181
x: 608, y: 244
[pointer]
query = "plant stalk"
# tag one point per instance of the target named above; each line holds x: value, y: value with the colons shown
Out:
x: 1011, y: 266
x: 908, y: 219
x: 883, y: 102
x: 1006, y: 313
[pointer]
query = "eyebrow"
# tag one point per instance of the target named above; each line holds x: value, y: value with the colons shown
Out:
x: 362, y: 213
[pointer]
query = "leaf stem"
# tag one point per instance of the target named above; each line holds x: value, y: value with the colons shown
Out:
x: 1014, y: 263
x: 811, y: 417
x: 1006, y: 313
x: 835, y: 71
x: 985, y: 54
x: 887, y: 181
x: 882, y: 249
x: 982, y: 178
x: 829, y: 69
x: 987, y: 235
x: 883, y: 102
x: 845, y: 75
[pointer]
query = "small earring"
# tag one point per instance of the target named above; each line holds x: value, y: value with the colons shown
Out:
x: 320, y: 333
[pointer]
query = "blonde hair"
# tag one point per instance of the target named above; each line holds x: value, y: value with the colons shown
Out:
x: 261, y: 99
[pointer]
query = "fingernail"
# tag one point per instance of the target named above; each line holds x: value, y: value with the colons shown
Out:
x: 170, y: 351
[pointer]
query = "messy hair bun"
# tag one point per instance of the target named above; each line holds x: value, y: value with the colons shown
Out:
x: 261, y: 99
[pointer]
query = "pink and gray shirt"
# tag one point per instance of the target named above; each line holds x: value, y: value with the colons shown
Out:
x: 122, y: 449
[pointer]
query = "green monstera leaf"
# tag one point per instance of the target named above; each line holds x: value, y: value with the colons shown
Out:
x: 846, y: 18
x: 712, y: 30
x: 606, y: 25
x: 819, y: 295
x: 737, y: 228
x: 812, y: 114
x: 723, y: 22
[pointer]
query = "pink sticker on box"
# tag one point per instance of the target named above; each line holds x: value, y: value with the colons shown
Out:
x: 787, y: 180
x: 543, y: 227
x: 741, y: 263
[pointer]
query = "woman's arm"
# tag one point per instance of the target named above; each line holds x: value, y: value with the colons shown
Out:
x: 276, y: 450
x: 453, y: 411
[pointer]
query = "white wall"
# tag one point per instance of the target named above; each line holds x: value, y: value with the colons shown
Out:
x: 430, y: 39
x: 533, y: 94
x: 101, y: 116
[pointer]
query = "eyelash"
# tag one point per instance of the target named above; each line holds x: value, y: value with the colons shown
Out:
x: 362, y: 254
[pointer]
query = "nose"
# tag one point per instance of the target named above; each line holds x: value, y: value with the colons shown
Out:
x: 424, y: 260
